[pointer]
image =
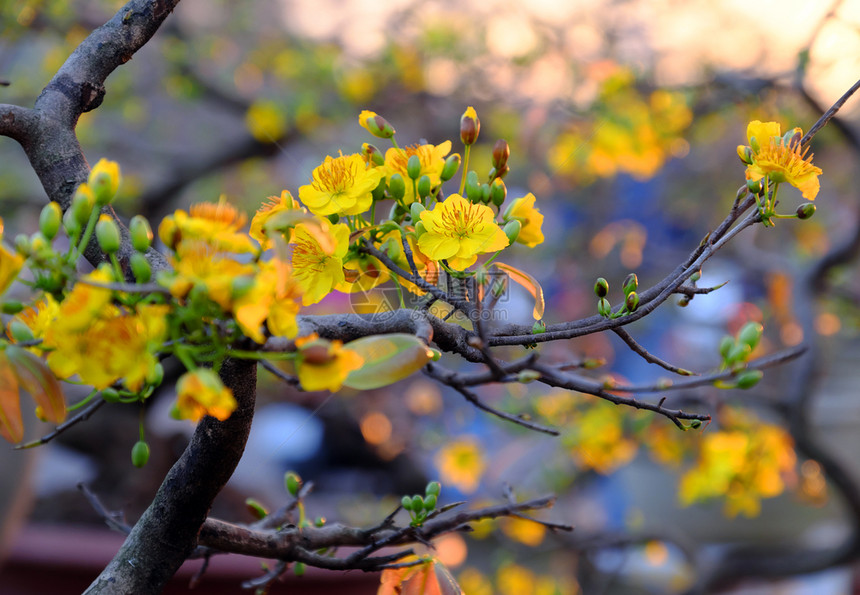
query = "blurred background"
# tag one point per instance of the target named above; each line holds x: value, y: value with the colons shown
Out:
x: 623, y: 119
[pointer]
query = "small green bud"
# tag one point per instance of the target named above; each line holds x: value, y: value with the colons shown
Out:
x: 429, y: 502
x: 139, y: 454
x: 452, y: 164
x: 71, y: 225
x: 750, y: 334
x: 22, y: 244
x: 299, y: 568
x: 38, y: 243
x: 417, y: 503
x: 425, y: 185
x: 49, y: 220
x: 526, y: 376
x: 82, y: 204
x: 415, y: 210
x: 334, y: 218
x: 696, y: 276
x: 372, y: 154
x: 20, y: 332
x: 738, y: 353
x: 745, y: 154
x: 539, y: 327
x: 473, y: 187
x: 755, y: 186
x: 376, y: 124
x: 257, y: 510
x: 436, y: 354
x: 696, y: 424
x: 379, y: 192
x: 805, y: 211
x: 140, y: 267
x: 110, y: 395
x: 601, y: 287
x: 419, y: 229
x: 156, y: 375
x: 319, y: 521
x: 292, y: 482
x: 512, y: 230
x: 498, y: 192
x: 104, y: 181
x: 501, y: 152
x: 11, y: 307
x: 141, y: 233
x: 396, y: 186
x: 406, y: 502
x: 107, y: 233
x: 631, y: 301
x: 631, y: 283
x: 749, y: 378
x: 726, y: 344
x: 604, y: 308
x: 433, y: 488
x: 485, y: 193
x: 413, y: 167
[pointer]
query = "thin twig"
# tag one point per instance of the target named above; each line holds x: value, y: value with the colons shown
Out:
x: 81, y: 416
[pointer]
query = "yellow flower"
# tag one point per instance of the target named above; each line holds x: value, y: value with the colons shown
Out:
x: 39, y: 317
x: 324, y: 365
x: 276, y: 205
x: 432, y: 162
x: 363, y: 272
x: 10, y: 264
x: 199, y: 263
x: 458, y: 230
x: 318, y: 251
x: 114, y: 346
x: 85, y: 302
x: 104, y: 180
x: 341, y: 185
x: 272, y: 298
x: 523, y: 209
x: 781, y: 160
x: 215, y: 223
x: 462, y: 464
x: 201, y: 392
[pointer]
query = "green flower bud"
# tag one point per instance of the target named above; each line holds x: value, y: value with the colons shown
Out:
x: 604, y: 308
x: 140, y: 267
x: 49, y: 220
x: 319, y: 521
x: 429, y: 502
x: 417, y: 503
x: 696, y: 276
x: 425, y: 185
x: 141, y: 233
x: 512, y: 230
x: 110, y: 395
x: 38, y: 244
x: 805, y: 211
x: 292, y: 482
x: 378, y: 193
x: 452, y: 164
x: 375, y: 124
x: 745, y: 154
x: 22, y: 244
x: 406, y: 502
x: 415, y: 210
x: 419, y: 229
x: 501, y: 152
x: 726, y: 344
x: 750, y: 334
x: 433, y: 488
x: 156, y: 375
x: 82, y: 204
x: 749, y: 378
x: 299, y: 568
x: 755, y: 186
x: 696, y: 424
x: 256, y: 509
x: 104, y: 181
x: 502, y: 172
x: 413, y: 167
x: 20, y: 332
x: 632, y: 301
x: 372, y: 154
x: 396, y: 186
x: 485, y: 193
x: 470, y: 126
x: 738, y: 353
x: 539, y: 327
x: 473, y: 187
x: 334, y: 218
x: 437, y: 355
x: 601, y: 287
x: 498, y: 192
x: 631, y: 283
x: 107, y: 233
x: 526, y: 376
x: 71, y: 225
x: 11, y: 307
x: 139, y: 454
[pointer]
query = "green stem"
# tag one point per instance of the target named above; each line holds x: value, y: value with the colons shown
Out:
x: 256, y: 355
x: 83, y: 401
x: 466, y: 152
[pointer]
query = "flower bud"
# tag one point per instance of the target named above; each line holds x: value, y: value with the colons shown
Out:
x: 632, y: 301
x: 501, y: 173
x: 413, y: 167
x: 141, y: 233
x: 82, y: 204
x: 792, y: 138
x: 169, y: 232
x: 470, y: 126
x: 22, y: 244
x: 726, y: 344
x: 378, y: 193
x: 749, y: 378
x: 604, y: 308
x: 415, y: 210
x: 292, y: 482
x: 498, y: 192
x: 372, y: 154
x: 473, y: 188
x: 539, y: 327
x: 20, y: 332
x: 501, y: 152
x: 107, y: 233
x: 110, y: 395
x: 601, y: 287
x: 419, y: 229
x: 755, y: 186
x: 257, y: 510
x: 397, y: 187
x: 738, y: 353
x: 139, y: 454
x: 156, y: 375
x: 696, y: 276
x: 299, y: 568
x: 750, y: 334
x: 140, y: 267
x: 417, y: 503
x: 49, y: 220
x: 70, y: 223
x: 425, y: 185
x: 485, y: 193
x: 406, y: 502
x: 104, y: 181
x: 805, y: 211
x: 429, y: 502
x: 631, y: 283
x: 375, y: 124
x: 745, y: 154
x: 11, y: 307
x: 512, y: 230
x: 452, y: 164
x: 433, y: 488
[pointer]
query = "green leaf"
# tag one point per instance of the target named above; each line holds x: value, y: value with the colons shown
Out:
x: 529, y: 283
x: 38, y: 380
x: 11, y: 423
x: 387, y: 359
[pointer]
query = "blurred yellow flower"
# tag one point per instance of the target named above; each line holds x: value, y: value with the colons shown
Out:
x: 432, y: 159
x: 458, y: 230
x: 201, y: 392
x: 272, y: 298
x: 523, y: 209
x: 461, y: 463
x: 39, y: 316
x: 275, y: 205
x: 318, y: 252
x: 781, y: 160
x: 266, y: 121
x: 10, y: 265
x: 198, y: 263
x: 323, y: 364
x: 217, y: 224
x: 85, y: 302
x: 525, y: 531
x: 341, y: 185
